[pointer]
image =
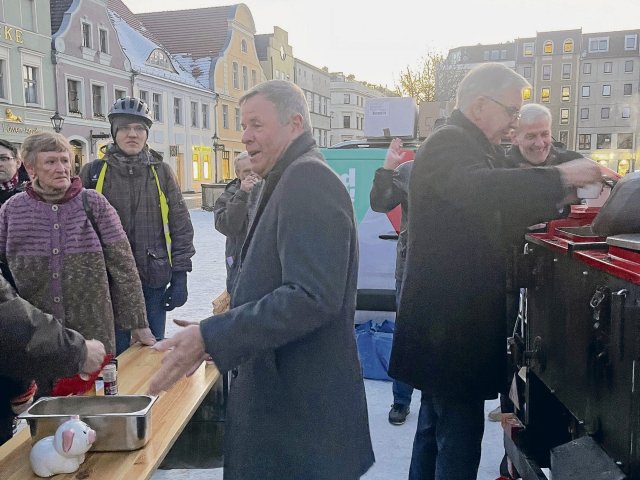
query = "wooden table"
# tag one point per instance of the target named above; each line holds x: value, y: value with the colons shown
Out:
x: 169, y: 415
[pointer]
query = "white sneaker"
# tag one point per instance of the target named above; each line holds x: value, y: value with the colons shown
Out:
x: 495, y: 415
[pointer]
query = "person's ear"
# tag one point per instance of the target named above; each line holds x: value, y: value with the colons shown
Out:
x: 297, y: 122
x: 513, y: 136
x: 30, y: 170
x: 476, y: 108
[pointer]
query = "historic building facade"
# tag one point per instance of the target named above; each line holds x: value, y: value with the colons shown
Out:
x: 220, y: 52
x: 27, y: 91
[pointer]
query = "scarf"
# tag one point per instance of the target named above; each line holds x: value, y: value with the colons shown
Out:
x: 35, y: 190
x: 298, y: 147
x: 11, y: 184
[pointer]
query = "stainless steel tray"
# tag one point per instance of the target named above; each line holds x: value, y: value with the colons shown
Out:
x: 121, y: 422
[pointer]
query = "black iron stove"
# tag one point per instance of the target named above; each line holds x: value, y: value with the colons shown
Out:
x: 581, y: 349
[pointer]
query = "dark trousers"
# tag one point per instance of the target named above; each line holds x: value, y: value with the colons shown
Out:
x: 156, y: 316
x: 448, y: 438
x: 401, y: 391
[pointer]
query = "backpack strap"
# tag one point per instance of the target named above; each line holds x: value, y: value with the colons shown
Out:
x: 97, y: 170
x: 89, y: 212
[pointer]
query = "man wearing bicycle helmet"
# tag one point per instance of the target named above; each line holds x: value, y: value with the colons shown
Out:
x: 145, y: 192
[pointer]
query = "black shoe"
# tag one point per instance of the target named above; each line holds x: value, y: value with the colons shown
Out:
x: 398, y: 414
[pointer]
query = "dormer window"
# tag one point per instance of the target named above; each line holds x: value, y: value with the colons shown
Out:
x: 158, y: 58
x: 243, y: 46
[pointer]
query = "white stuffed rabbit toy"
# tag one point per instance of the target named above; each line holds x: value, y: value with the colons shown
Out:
x: 63, y: 452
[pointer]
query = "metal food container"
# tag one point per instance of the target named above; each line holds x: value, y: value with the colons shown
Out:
x: 121, y: 422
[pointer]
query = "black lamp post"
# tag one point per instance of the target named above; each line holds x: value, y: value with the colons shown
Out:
x: 57, y: 121
x: 217, y: 147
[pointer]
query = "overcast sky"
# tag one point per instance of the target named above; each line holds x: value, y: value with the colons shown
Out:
x: 375, y: 40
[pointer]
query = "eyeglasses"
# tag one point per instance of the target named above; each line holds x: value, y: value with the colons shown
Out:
x: 513, y: 112
x: 136, y: 129
x: 5, y: 158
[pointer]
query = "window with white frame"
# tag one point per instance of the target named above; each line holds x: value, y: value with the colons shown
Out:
x: 631, y: 41
x: 528, y: 49
x: 603, y: 140
x: 97, y: 100
x: 156, y: 106
x: 86, y: 34
x: 238, y: 127
x: 566, y: 93
x: 564, y: 137
x: 205, y: 115
x: 606, y: 90
x: 104, y: 40
x: 586, y: 91
x: 626, y: 112
x: 584, y: 141
x: 547, y: 48
x: 546, y: 72
x: 628, y: 66
x: 584, y: 114
x: 31, y: 78
x: 567, y: 46
x: 545, y: 95
x: 119, y: 93
x: 144, y: 96
x: 158, y: 58
x: 586, y: 68
x: 245, y: 78
x: 625, y: 141
x: 236, y: 80
x: 526, y: 72
x: 604, y: 112
x: 566, y: 71
x: 564, y: 116
x: 3, y: 82
x: 225, y: 116
x: 254, y: 78
x: 177, y: 111
x: 346, y: 121
x: 194, y: 114
x: 73, y: 96
x: 243, y: 46
x: 628, y: 89
x: 598, y: 44
x: 347, y: 98
x: 608, y: 67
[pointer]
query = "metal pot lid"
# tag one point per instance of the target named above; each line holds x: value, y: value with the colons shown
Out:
x: 629, y: 241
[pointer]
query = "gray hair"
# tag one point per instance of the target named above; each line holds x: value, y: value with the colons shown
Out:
x: 43, y: 142
x: 532, y: 112
x: 488, y: 80
x: 287, y: 97
x: 240, y: 156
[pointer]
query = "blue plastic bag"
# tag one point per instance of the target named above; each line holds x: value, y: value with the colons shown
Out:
x: 374, y: 342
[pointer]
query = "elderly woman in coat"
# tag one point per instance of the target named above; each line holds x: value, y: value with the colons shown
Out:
x: 78, y: 268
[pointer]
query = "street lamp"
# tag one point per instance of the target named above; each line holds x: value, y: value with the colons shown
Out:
x: 217, y: 147
x: 57, y: 121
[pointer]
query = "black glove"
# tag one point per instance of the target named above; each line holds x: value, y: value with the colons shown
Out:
x: 176, y: 293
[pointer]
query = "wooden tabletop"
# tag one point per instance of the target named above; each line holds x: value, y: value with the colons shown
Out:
x: 169, y: 416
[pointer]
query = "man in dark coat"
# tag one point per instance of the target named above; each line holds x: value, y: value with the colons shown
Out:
x: 449, y: 340
x: 390, y: 189
x: 297, y: 409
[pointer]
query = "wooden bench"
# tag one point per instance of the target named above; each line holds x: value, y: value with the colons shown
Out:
x: 169, y: 415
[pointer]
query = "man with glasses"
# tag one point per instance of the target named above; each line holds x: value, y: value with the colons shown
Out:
x: 451, y: 326
x: 145, y: 193
x: 13, y: 177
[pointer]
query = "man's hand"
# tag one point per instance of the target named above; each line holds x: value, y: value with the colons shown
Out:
x: 580, y: 172
x: 249, y: 182
x: 185, y: 353
x: 95, y: 356
x: 394, y: 155
x: 143, y: 335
